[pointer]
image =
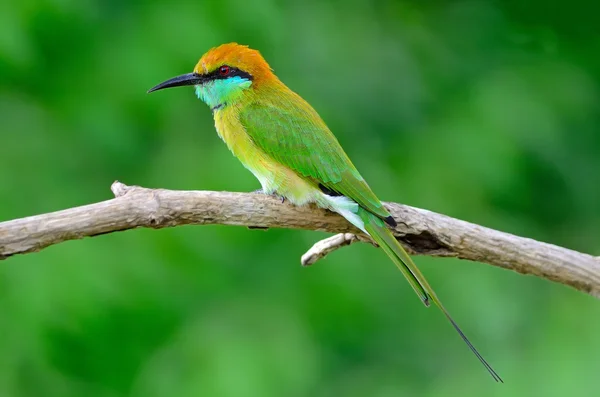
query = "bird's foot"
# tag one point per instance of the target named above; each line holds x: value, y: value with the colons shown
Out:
x: 260, y: 191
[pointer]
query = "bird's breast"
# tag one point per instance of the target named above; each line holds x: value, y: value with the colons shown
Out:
x: 272, y: 175
x: 233, y: 133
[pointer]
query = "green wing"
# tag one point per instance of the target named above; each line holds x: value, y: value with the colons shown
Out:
x: 289, y: 130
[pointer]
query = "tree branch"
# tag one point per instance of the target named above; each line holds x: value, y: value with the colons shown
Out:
x: 326, y: 246
x: 420, y: 231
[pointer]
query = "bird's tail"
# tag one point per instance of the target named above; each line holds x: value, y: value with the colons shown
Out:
x: 386, y: 240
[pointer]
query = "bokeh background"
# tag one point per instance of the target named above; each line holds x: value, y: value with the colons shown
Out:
x: 483, y: 110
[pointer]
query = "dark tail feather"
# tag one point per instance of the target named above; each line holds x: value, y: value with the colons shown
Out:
x: 386, y: 240
x: 494, y: 374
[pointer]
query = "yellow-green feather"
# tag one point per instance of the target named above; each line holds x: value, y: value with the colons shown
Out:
x: 284, y: 142
x: 286, y: 128
x: 386, y: 240
x: 289, y: 130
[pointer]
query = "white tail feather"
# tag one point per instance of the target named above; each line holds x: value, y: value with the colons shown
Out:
x: 346, y: 208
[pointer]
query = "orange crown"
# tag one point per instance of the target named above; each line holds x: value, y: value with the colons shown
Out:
x: 238, y: 56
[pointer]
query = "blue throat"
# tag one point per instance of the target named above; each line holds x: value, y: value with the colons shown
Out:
x: 220, y: 92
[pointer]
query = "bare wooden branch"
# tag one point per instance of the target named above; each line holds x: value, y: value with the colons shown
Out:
x: 324, y: 247
x: 421, y: 231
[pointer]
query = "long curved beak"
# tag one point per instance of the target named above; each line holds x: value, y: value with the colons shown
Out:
x: 184, y: 79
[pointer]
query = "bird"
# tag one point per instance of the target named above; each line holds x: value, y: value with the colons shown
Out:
x: 288, y: 147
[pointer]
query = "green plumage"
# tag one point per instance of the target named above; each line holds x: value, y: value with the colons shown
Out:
x: 386, y: 240
x: 282, y: 140
x: 296, y: 137
x: 292, y: 133
x: 286, y: 128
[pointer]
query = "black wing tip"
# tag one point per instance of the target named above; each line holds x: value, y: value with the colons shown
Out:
x: 391, y: 221
x: 328, y: 191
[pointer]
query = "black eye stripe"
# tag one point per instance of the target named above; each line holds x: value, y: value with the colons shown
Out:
x: 216, y: 74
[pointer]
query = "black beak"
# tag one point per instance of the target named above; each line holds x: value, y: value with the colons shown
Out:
x: 185, y: 79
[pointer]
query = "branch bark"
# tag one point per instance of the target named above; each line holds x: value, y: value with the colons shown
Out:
x: 420, y: 231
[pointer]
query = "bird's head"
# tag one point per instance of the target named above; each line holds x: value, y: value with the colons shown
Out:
x: 224, y: 74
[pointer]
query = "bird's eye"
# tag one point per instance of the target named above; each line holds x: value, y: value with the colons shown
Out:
x: 224, y: 70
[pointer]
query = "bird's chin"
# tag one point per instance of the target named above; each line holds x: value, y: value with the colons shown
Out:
x: 200, y: 91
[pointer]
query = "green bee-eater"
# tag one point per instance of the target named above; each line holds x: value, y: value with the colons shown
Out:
x: 282, y: 140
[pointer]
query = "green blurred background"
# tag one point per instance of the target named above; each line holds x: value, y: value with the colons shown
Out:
x: 483, y: 110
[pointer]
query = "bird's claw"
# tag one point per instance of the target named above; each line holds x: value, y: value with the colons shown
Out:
x: 260, y: 191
